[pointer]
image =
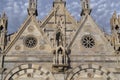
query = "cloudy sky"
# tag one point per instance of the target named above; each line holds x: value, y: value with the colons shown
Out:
x: 16, y: 11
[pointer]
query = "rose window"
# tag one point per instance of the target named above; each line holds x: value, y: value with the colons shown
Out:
x: 88, y: 41
x: 30, y: 42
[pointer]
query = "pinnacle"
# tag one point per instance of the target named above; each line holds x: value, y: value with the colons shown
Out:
x: 4, y: 15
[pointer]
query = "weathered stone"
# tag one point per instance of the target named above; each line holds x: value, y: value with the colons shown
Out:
x: 59, y: 47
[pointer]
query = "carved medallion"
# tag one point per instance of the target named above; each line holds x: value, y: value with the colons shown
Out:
x: 29, y: 75
x: 17, y: 47
x: 30, y: 28
x: 90, y: 75
x: 42, y: 47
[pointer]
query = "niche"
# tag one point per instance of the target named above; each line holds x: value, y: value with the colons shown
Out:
x: 116, y: 27
x: 1, y: 28
x: 119, y: 49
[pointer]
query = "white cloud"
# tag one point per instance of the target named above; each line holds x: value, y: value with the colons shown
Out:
x: 73, y: 5
x: 16, y: 7
x: 17, y: 10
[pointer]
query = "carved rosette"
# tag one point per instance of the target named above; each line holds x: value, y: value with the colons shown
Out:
x: 30, y: 41
x: 88, y: 41
x: 42, y: 47
x: 30, y: 29
x: 17, y: 47
x: 90, y: 75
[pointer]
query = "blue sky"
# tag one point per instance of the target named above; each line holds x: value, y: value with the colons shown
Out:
x: 16, y: 11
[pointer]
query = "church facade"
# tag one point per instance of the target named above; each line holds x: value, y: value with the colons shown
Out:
x: 59, y: 47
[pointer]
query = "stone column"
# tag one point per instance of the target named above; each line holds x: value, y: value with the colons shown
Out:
x: 0, y: 77
x: 0, y: 67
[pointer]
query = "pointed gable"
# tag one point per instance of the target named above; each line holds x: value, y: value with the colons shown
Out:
x: 82, y: 44
x: 59, y: 15
x: 29, y: 38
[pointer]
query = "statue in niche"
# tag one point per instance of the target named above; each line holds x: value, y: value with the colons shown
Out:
x: 118, y: 33
x: 60, y: 57
x: 59, y: 37
x: 59, y: 31
x: 54, y: 58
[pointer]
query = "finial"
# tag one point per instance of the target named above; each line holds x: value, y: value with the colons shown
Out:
x: 119, y: 19
x: 114, y: 14
x: 32, y: 9
x: 4, y: 15
x: 85, y: 4
x: 86, y: 10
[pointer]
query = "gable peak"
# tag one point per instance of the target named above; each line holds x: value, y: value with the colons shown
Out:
x: 114, y: 14
x: 4, y: 15
x: 85, y: 7
x: 32, y: 9
x: 59, y: 2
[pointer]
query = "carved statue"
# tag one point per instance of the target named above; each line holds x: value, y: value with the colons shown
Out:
x: 59, y: 37
x: 60, y: 54
x: 54, y: 58
x: 60, y: 57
